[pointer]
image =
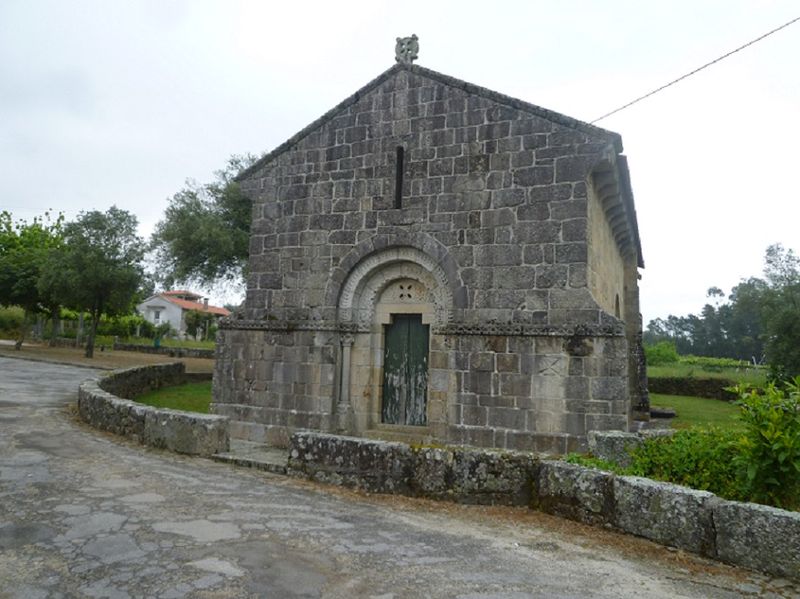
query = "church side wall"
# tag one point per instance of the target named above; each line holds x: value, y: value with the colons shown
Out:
x: 606, y: 264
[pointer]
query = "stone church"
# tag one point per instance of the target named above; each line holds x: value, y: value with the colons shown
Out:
x: 433, y: 261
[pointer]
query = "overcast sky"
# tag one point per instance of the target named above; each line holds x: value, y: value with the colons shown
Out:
x: 118, y: 102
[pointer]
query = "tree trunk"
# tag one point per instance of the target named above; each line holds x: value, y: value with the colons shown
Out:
x: 92, y: 332
x: 56, y: 321
x: 22, y: 329
x: 79, y: 334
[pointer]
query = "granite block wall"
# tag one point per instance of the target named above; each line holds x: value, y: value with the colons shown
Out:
x: 483, y: 202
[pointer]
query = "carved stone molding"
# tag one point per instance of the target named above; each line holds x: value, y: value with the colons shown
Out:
x: 490, y: 329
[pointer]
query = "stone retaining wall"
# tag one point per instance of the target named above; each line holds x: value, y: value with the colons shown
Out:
x: 743, y: 534
x: 691, y: 386
x: 463, y: 474
x: 106, y: 404
x: 175, y: 352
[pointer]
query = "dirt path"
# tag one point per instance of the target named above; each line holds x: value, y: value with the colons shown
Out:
x: 103, y: 360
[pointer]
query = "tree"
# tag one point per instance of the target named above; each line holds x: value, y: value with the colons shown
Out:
x: 780, y: 310
x: 24, y: 249
x: 99, y: 267
x: 761, y: 319
x: 198, y: 322
x: 205, y: 234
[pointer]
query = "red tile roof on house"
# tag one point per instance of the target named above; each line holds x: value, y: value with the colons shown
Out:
x: 180, y: 292
x: 189, y: 305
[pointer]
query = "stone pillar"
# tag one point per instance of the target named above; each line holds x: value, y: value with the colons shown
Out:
x: 344, y: 411
x: 637, y: 368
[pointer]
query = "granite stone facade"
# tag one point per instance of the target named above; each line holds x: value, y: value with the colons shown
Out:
x: 508, y: 229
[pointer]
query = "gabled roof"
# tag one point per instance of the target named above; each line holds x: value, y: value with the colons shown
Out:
x: 470, y: 88
x: 187, y: 304
x: 182, y: 292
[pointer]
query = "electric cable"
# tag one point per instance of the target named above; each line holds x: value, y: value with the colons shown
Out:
x: 697, y: 70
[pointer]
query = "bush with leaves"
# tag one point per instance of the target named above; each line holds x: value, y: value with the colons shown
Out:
x: 163, y: 330
x: 663, y: 352
x: 701, y: 458
x: 12, y: 319
x: 769, y: 451
x: 123, y: 325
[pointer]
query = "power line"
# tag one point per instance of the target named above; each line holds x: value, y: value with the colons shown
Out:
x: 697, y: 70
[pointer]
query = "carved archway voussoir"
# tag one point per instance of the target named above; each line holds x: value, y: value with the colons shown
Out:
x: 431, y: 253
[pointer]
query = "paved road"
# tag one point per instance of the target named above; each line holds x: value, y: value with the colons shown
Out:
x: 83, y: 514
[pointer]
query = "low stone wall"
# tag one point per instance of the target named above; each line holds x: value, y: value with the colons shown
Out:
x: 743, y: 534
x: 691, y: 386
x: 463, y: 474
x: 106, y: 404
x: 174, y: 352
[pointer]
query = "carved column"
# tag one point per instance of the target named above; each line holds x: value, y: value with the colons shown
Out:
x: 344, y: 411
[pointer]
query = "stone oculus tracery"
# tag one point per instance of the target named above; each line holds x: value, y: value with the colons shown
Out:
x: 437, y: 259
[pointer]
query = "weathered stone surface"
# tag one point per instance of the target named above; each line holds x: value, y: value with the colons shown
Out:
x: 374, y: 466
x: 758, y: 536
x: 182, y: 432
x: 500, y: 227
x: 492, y: 477
x: 614, y: 446
x: 574, y: 492
x: 466, y: 475
x: 665, y: 513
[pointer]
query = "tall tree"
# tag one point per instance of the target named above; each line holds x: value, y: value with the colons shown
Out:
x: 760, y: 319
x: 24, y: 249
x: 205, y: 234
x: 99, y: 267
x: 781, y: 311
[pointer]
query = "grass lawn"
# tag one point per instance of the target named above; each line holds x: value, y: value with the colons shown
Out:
x: 698, y: 411
x: 191, y: 397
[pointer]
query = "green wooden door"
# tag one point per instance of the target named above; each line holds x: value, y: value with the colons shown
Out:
x: 405, y: 371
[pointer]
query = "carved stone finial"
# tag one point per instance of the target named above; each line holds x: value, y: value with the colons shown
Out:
x: 406, y: 49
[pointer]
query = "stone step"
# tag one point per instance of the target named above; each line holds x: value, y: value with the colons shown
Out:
x: 254, y: 455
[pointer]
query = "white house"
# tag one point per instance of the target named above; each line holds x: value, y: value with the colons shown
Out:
x: 172, y: 306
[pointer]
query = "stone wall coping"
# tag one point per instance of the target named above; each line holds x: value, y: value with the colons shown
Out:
x: 183, y: 432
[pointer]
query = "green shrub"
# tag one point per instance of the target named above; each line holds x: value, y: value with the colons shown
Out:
x: 769, y: 451
x: 663, y: 352
x: 716, y: 364
x: 593, y: 462
x: 125, y: 325
x: 701, y: 458
x: 12, y: 319
x: 164, y: 330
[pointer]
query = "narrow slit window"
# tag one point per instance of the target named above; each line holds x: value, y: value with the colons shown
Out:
x: 398, y: 177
